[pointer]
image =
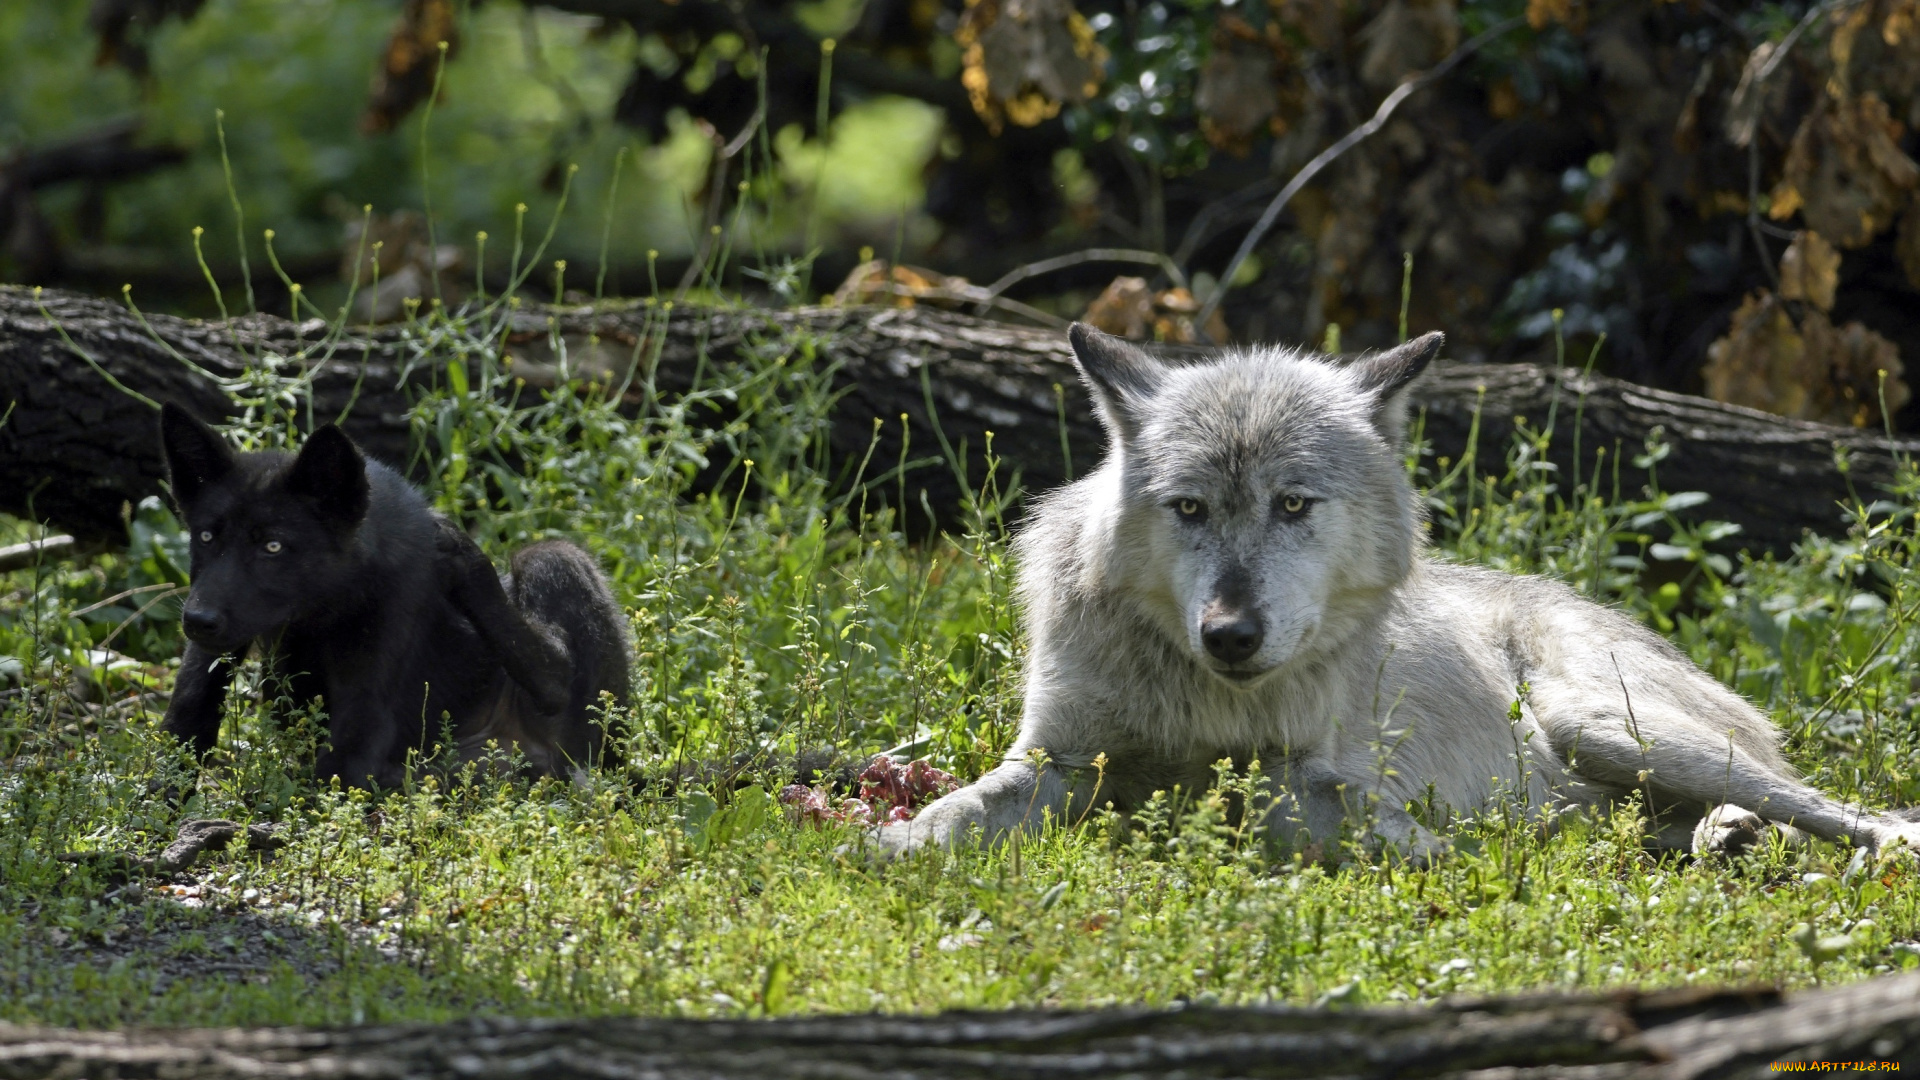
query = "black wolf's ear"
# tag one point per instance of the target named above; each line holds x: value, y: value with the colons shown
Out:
x: 196, y: 454
x: 331, y: 472
x: 1387, y: 373
x: 1120, y: 374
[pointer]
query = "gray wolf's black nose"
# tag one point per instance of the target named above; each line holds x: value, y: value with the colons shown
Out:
x: 1232, y: 638
x: 200, y: 623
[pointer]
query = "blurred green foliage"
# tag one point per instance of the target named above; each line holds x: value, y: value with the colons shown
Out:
x: 529, y: 93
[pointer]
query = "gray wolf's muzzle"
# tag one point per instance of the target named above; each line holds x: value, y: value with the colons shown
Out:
x: 1232, y: 636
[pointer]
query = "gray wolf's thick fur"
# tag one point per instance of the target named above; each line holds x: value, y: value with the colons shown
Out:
x: 1245, y: 576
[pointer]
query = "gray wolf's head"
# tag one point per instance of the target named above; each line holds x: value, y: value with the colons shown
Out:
x: 1263, y: 510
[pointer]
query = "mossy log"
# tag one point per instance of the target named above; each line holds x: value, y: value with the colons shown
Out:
x: 75, y: 449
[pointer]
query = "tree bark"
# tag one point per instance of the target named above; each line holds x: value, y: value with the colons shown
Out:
x: 1675, y: 1036
x: 75, y: 450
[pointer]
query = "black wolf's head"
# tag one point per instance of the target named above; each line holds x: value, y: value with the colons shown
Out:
x: 272, y: 533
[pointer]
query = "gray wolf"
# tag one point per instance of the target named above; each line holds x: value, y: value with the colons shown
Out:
x: 1245, y: 577
x: 365, y: 598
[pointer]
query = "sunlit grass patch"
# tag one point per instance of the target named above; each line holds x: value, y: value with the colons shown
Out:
x: 778, y: 605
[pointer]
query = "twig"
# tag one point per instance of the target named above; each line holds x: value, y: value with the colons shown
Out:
x: 723, y: 154
x: 1061, y: 262
x: 969, y: 294
x: 117, y: 597
x: 1744, y: 125
x: 1201, y: 228
x: 1753, y: 215
x: 128, y: 621
x: 46, y: 549
x: 1332, y: 153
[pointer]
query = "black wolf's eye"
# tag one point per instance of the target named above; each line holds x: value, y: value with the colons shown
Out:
x: 1190, y: 509
x: 273, y: 547
x: 206, y: 536
x: 1294, y: 504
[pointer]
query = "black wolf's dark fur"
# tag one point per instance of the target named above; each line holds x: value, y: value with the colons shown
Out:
x: 364, y: 597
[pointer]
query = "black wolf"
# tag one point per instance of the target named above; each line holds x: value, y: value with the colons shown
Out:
x: 363, y: 597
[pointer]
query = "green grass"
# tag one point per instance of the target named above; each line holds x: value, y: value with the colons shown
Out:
x: 773, y: 613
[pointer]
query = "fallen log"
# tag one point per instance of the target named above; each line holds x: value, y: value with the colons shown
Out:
x: 76, y: 449
x: 1674, y: 1036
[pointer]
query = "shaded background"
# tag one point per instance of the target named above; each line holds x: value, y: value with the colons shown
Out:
x: 1724, y: 192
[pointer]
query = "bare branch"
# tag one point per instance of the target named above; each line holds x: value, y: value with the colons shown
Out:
x: 1061, y: 262
x: 47, y: 549
x: 723, y: 155
x: 981, y: 297
x: 1332, y: 153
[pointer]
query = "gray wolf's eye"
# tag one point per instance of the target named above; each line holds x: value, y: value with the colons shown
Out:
x: 273, y: 547
x: 206, y: 536
x: 1294, y: 504
x: 1190, y: 509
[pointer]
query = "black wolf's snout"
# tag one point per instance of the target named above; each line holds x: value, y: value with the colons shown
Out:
x: 1232, y: 636
x: 202, y: 624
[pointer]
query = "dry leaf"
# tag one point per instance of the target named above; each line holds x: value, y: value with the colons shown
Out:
x: 1569, y: 13
x: 1124, y: 309
x: 875, y: 282
x: 1846, y: 34
x: 1750, y: 96
x: 1875, y: 49
x: 1811, y: 372
x: 1174, y: 312
x: 1902, y: 25
x: 409, y: 63
x: 1845, y: 173
x: 1855, y: 357
x: 1024, y: 58
x: 1129, y: 309
x: 1407, y: 36
x: 1810, y: 270
x: 1504, y: 101
x: 1761, y: 362
x: 1715, y: 203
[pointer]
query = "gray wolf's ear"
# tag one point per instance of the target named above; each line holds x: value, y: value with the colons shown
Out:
x: 331, y: 472
x: 1121, y: 375
x: 1386, y: 374
x: 196, y: 455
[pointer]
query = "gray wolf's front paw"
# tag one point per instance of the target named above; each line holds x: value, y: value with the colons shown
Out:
x: 889, y: 843
x: 1728, y: 830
